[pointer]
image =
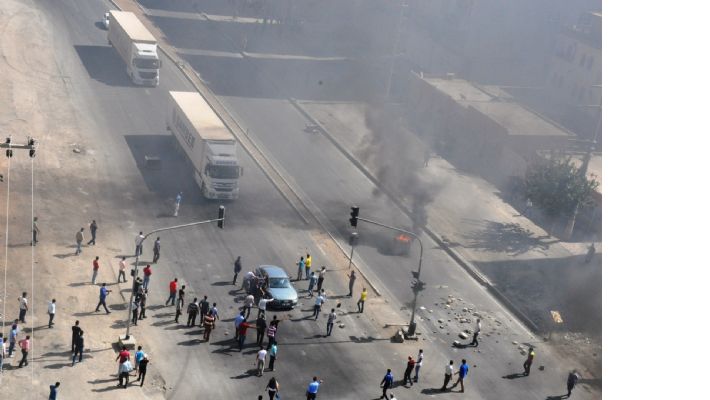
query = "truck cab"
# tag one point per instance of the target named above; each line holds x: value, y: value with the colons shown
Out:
x: 144, y: 68
x: 219, y: 179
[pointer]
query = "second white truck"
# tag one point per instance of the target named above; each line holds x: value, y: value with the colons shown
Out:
x: 208, y: 144
x: 136, y: 46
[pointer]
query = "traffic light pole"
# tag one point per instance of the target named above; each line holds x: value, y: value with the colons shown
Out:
x: 412, y: 326
x: 135, y: 266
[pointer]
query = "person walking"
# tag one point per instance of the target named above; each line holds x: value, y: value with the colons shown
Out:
x: 307, y: 263
x: 172, y: 288
x: 122, y: 356
x: 238, y: 321
x: 103, y: 292
x: 156, y: 250
x: 208, y: 323
x: 92, y: 229
x: 260, y: 328
x: 123, y: 373
x: 351, y: 282
x: 272, y: 388
x: 142, y: 369
x: 590, y: 254
x: 237, y: 269
x: 23, y: 307
x: 476, y: 332
x: 361, y: 302
x: 135, y: 305
x: 53, y: 391
x: 572, y: 379
x: 462, y: 372
x: 312, y: 280
x: 78, y: 348
x: 147, y: 272
x: 214, y: 311
x: 79, y: 239
x: 122, y: 270
x: 418, y: 365
x: 95, y: 270
x: 528, y: 361
x: 386, y: 383
x: 192, y: 310
x: 139, y: 355
x: 273, y: 351
x: 178, y: 200
x: 76, y: 331
x: 35, y: 231
x: 25, y: 349
x: 143, y: 296
x: 139, y: 243
x: 260, y: 360
x: 408, y: 371
x: 14, y: 331
x: 318, y: 304
x: 263, y: 302
x: 243, y: 333
x: 204, y: 309
x: 271, y: 333
x: 51, y: 310
x: 321, y: 278
x: 247, y: 282
x: 248, y: 304
x: 301, y: 266
x: 448, y: 373
x: 313, y: 387
x: 331, y: 321
x: 181, y: 296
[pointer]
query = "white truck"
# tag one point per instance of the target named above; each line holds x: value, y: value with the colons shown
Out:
x: 136, y: 46
x: 208, y: 144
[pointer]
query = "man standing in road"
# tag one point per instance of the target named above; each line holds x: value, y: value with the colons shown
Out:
x: 262, y: 306
x: 248, y: 304
x: 351, y: 283
x: 139, y: 243
x: 208, y: 323
x: 51, y: 310
x: 418, y: 365
x: 53, y: 391
x: 237, y: 269
x: 321, y: 278
x: 78, y: 348
x: 313, y: 387
x: 301, y: 266
x: 260, y: 327
x: 143, y: 296
x: 572, y: 379
x: 156, y: 250
x: 35, y: 231
x: 260, y: 359
x: 92, y: 228
x: 181, y: 296
x: 204, y: 309
x: 361, y: 302
x: 192, y: 310
x: 318, y: 304
x: 462, y: 372
x: 238, y: 321
x: 135, y: 305
x: 122, y: 270
x: 331, y: 321
x: 386, y: 383
x: 95, y: 270
x: 271, y: 332
x: 14, y: 331
x: 408, y: 371
x: 308, y: 262
x: 476, y: 332
x: 243, y: 333
x: 103, y: 292
x: 25, y: 349
x: 76, y: 331
x: 123, y: 372
x: 311, y: 283
x: 172, y: 288
x: 79, y: 241
x: 273, y: 350
x: 448, y: 372
x: 23, y: 306
x: 147, y: 272
x: 178, y: 200
x: 142, y: 369
x: 214, y: 311
x: 528, y: 362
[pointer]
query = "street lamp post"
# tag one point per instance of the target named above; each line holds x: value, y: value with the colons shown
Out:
x: 135, y: 266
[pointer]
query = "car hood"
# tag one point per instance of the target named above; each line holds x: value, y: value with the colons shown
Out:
x: 284, y: 293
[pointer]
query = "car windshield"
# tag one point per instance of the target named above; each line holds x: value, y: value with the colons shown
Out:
x: 222, y: 171
x: 146, y: 63
x: 278, y: 283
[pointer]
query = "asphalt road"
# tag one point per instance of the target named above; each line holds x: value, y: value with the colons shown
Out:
x: 262, y: 229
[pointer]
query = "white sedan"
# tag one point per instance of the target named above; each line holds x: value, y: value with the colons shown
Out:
x: 105, y: 21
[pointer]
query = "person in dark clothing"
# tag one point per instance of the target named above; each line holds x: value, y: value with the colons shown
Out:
x: 528, y: 362
x: 75, y: 332
x: 408, y: 371
x: 156, y: 250
x: 143, y: 298
x: 260, y: 329
x: 204, y: 309
x: 134, y: 311
x: 386, y: 383
x: 572, y: 379
x: 78, y: 348
x: 53, y: 391
x: 192, y: 310
x: 142, y: 369
x: 321, y: 278
x: 237, y: 269
x: 93, y: 228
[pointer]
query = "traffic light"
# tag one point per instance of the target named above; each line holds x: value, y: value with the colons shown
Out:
x: 354, y: 211
x: 220, y: 216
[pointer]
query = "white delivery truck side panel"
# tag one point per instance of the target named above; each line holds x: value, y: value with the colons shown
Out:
x: 136, y: 46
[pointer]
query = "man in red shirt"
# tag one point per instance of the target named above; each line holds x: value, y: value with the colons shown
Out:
x: 173, y: 292
x: 243, y: 333
x: 147, y: 272
x: 96, y: 271
x: 123, y: 355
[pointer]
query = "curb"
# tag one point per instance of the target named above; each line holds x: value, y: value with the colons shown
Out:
x: 468, y: 267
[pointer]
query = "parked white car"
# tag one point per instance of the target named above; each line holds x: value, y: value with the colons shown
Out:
x: 105, y: 21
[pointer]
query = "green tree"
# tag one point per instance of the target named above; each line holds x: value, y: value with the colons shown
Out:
x: 556, y: 185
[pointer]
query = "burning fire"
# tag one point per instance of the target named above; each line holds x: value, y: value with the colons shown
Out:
x: 404, y: 238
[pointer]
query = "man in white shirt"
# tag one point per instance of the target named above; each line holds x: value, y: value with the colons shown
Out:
x: 262, y: 306
x: 420, y: 360
x: 448, y: 373
x: 23, y: 306
x: 319, y: 303
x: 476, y: 331
x: 139, y: 244
x: 51, y: 309
x: 122, y: 269
x: 260, y: 359
x: 248, y: 304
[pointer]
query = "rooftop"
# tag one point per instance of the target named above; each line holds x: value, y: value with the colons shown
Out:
x: 497, y: 105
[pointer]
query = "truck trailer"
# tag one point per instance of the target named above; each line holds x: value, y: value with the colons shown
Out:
x: 207, y: 143
x: 136, y: 46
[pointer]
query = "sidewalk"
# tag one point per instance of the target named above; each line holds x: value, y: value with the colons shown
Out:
x: 536, y: 272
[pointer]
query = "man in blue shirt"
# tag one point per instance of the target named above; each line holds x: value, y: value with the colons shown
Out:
x: 386, y: 383
x: 53, y: 391
x: 103, y: 292
x: 313, y: 388
x: 463, y: 371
